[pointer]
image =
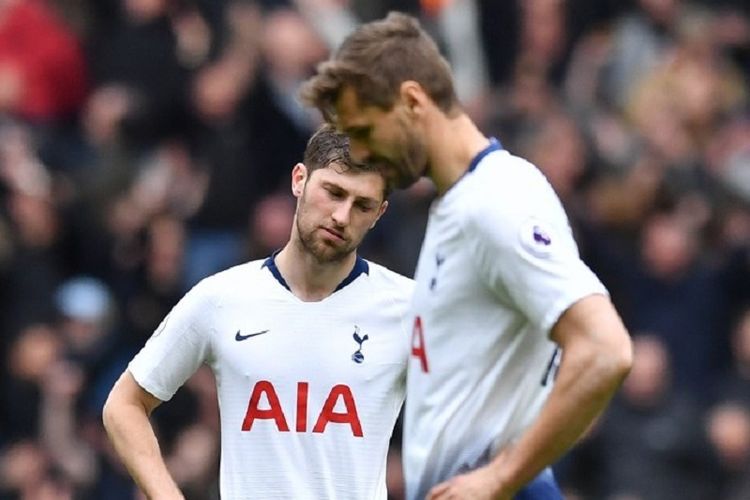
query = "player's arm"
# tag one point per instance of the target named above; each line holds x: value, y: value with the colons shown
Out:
x: 597, y: 356
x: 126, y: 419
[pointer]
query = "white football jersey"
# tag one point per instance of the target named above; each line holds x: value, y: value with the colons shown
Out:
x: 498, y: 267
x: 308, y: 392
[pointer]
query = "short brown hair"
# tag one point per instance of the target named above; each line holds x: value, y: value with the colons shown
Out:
x: 327, y: 146
x: 375, y: 60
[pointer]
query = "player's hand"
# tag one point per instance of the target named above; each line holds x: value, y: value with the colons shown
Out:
x: 479, y: 484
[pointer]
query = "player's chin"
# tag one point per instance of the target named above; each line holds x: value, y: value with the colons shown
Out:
x: 410, y: 175
x: 330, y: 251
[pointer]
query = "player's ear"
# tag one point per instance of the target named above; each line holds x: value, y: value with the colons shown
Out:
x: 413, y: 97
x: 381, y: 211
x: 299, y: 177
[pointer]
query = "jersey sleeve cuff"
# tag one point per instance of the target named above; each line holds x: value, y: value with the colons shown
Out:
x: 563, y: 304
x: 147, y: 385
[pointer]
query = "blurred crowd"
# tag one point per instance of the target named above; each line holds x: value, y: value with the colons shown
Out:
x: 145, y: 144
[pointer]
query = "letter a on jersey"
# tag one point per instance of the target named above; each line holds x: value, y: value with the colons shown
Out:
x: 347, y: 417
x: 417, y: 344
x: 273, y: 412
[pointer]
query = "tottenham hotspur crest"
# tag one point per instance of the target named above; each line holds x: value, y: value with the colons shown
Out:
x: 358, y: 357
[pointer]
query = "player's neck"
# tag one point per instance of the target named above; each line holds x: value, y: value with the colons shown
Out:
x: 308, y: 279
x: 453, y: 144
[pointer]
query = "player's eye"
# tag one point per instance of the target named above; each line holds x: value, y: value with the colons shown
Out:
x: 364, y: 207
x: 336, y: 194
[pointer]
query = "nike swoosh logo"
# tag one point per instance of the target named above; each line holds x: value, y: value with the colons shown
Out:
x: 239, y: 337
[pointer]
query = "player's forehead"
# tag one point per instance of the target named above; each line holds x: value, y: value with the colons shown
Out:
x: 359, y: 183
x: 350, y: 112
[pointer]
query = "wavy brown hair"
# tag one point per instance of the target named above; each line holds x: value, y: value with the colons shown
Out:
x: 375, y: 60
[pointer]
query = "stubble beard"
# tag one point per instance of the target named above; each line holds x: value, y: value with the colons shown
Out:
x: 413, y: 164
x: 322, y: 252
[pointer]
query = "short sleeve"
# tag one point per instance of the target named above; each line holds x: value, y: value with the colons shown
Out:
x: 525, y: 250
x: 178, y: 347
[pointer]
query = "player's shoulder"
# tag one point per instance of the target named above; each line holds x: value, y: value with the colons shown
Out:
x: 507, y: 185
x: 512, y: 176
x: 229, y: 279
x: 382, y: 277
x: 507, y: 194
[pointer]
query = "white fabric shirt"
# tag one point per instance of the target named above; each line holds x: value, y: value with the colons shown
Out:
x: 307, y: 409
x: 498, y: 267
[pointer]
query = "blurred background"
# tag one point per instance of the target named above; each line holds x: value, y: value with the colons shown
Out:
x: 145, y: 144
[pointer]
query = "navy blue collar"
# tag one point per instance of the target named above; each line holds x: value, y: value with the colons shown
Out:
x: 493, y: 146
x: 270, y: 263
x: 360, y: 267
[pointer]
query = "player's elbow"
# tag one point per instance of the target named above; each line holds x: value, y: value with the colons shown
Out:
x: 616, y: 356
x: 127, y: 401
x: 109, y: 412
x: 595, y: 340
x: 606, y: 357
x: 114, y: 407
x: 624, y: 358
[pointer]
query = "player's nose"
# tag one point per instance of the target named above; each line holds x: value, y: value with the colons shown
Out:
x: 341, y: 214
